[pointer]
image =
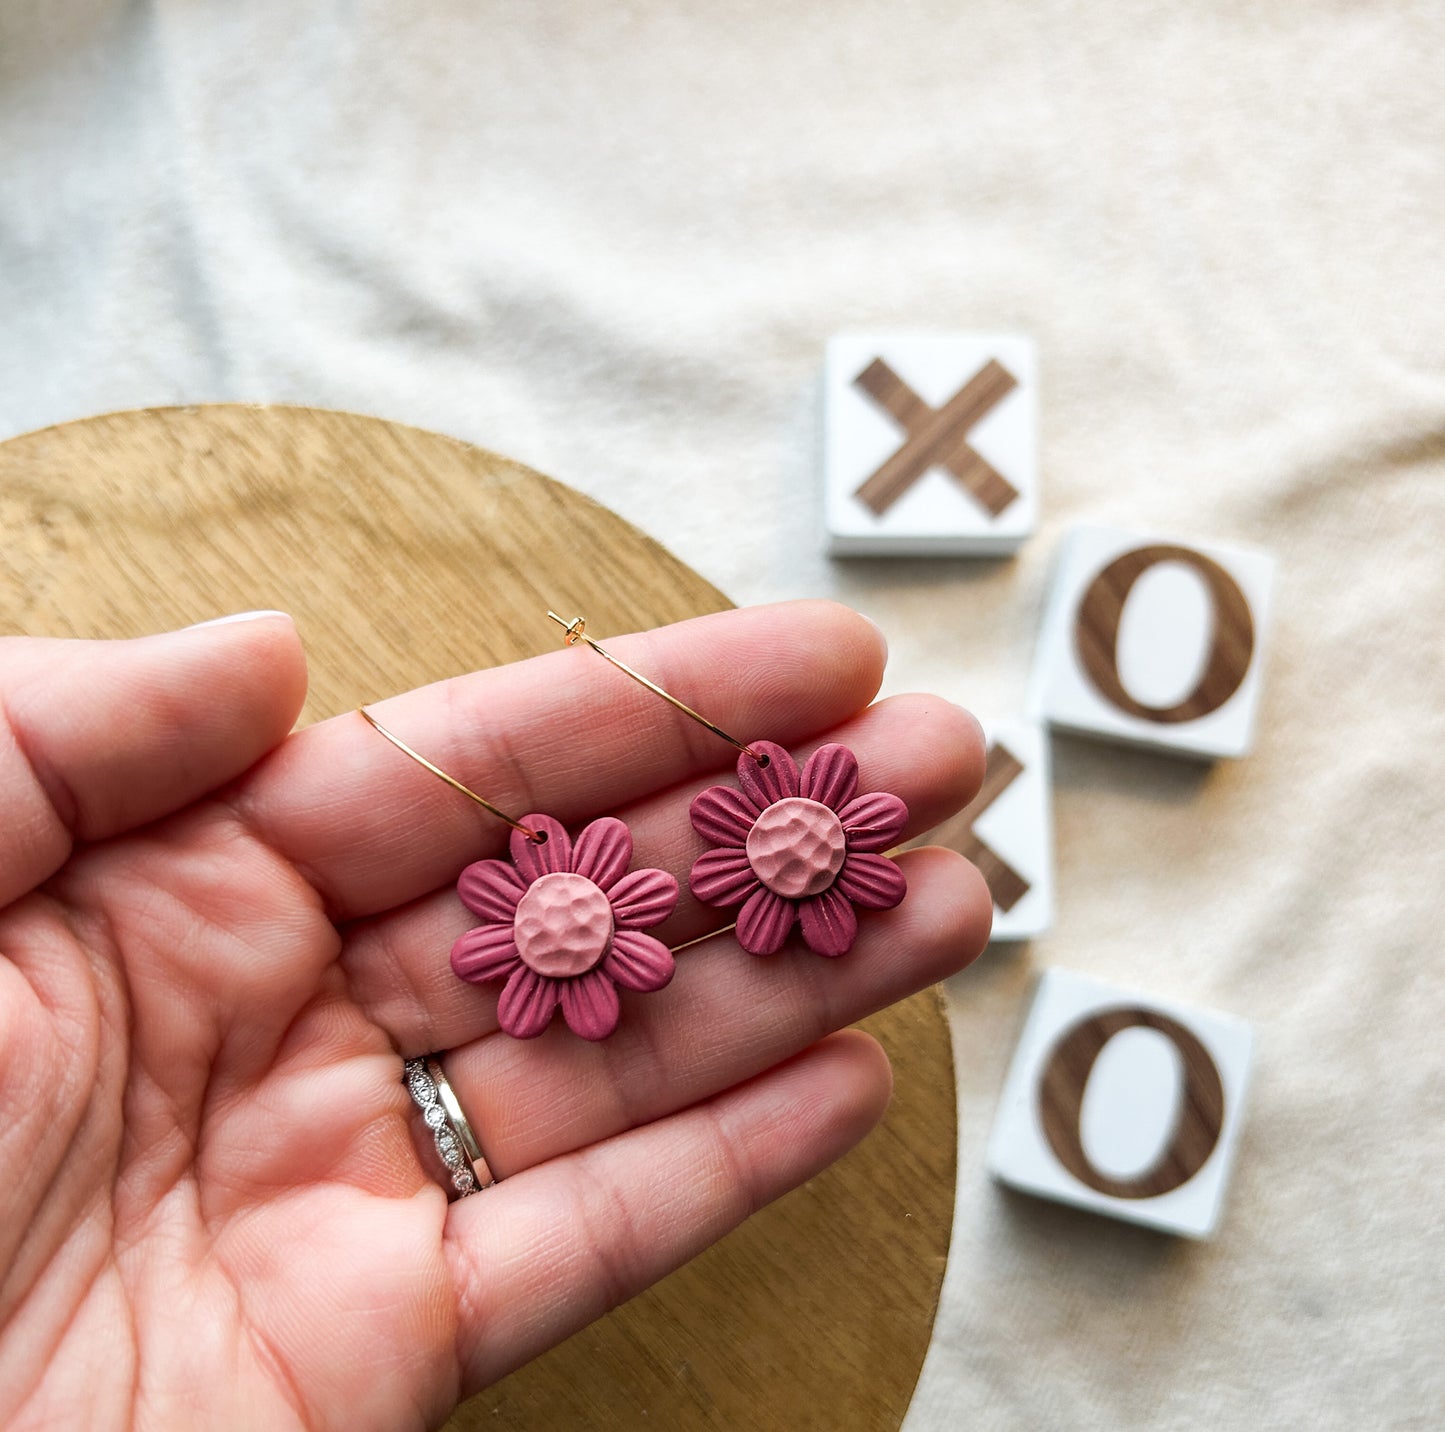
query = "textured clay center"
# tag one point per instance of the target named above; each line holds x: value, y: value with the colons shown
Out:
x: 796, y: 847
x: 563, y: 925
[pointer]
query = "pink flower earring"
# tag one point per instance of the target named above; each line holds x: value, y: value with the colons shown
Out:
x: 798, y: 846
x: 562, y: 923
x: 791, y: 846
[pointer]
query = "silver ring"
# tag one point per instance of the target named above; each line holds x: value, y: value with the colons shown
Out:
x: 456, y: 1144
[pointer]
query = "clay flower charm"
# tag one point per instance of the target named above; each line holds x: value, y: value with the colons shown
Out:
x: 798, y: 847
x: 562, y: 924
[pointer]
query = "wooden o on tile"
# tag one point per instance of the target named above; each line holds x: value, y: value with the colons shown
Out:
x: 1064, y: 1079
x: 1230, y: 649
x: 1154, y: 643
x: 1126, y: 1104
x: 406, y: 557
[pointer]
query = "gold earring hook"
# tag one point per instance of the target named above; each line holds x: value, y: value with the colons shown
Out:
x: 576, y: 631
x: 537, y: 837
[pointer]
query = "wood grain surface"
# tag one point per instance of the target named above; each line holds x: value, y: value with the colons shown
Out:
x: 406, y: 557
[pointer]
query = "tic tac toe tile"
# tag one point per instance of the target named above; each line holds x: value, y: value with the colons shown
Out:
x: 1123, y: 1103
x: 1007, y: 831
x: 930, y: 443
x: 1154, y: 642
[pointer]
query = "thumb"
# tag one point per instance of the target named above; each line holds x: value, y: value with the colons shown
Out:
x: 97, y: 737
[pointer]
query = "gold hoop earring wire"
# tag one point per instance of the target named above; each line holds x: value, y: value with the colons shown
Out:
x: 576, y: 631
x: 537, y: 837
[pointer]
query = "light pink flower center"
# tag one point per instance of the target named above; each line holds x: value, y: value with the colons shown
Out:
x: 563, y: 925
x: 796, y: 847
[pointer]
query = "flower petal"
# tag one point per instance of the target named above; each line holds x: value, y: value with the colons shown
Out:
x: 874, y: 822
x: 831, y: 776
x: 589, y: 1005
x: 491, y: 889
x: 722, y: 877
x: 602, y: 852
x: 554, y: 854
x: 765, y: 785
x: 871, y: 881
x: 527, y: 1002
x: 485, y: 954
x: 828, y: 923
x: 764, y: 922
x: 722, y: 816
x: 644, y: 898
x: 638, y: 961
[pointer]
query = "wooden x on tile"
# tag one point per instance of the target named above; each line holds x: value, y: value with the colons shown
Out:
x: 1005, y: 884
x: 937, y: 437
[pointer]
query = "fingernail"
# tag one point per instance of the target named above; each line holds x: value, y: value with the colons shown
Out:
x: 238, y: 617
x: 882, y: 635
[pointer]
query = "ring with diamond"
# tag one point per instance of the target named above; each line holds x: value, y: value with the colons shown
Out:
x: 456, y: 1144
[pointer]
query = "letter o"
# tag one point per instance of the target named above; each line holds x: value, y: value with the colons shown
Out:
x: 1061, y: 1102
x: 1096, y: 634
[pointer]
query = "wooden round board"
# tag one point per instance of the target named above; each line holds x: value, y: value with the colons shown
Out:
x: 405, y: 557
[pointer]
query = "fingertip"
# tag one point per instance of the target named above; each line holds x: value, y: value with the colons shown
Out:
x: 976, y: 746
x: 848, y: 630
x: 798, y: 667
x: 829, y: 1097
x: 107, y: 735
x: 959, y: 905
x: 924, y: 749
x: 267, y: 642
x: 952, y: 733
x: 871, y: 1072
x: 978, y: 903
x: 843, y: 652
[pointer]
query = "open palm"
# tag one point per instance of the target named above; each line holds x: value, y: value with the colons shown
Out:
x: 217, y: 941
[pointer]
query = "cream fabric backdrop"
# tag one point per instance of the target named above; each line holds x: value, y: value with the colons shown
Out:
x: 610, y: 240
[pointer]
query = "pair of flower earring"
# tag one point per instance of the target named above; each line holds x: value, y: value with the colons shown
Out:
x: 564, y: 923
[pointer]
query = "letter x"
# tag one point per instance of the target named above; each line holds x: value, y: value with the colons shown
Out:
x: 1005, y: 884
x: 936, y: 437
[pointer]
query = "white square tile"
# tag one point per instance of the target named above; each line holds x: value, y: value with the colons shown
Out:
x: 1123, y: 1103
x: 930, y: 443
x: 1154, y: 642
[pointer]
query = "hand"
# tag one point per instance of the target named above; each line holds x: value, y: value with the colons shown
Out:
x: 218, y: 1206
